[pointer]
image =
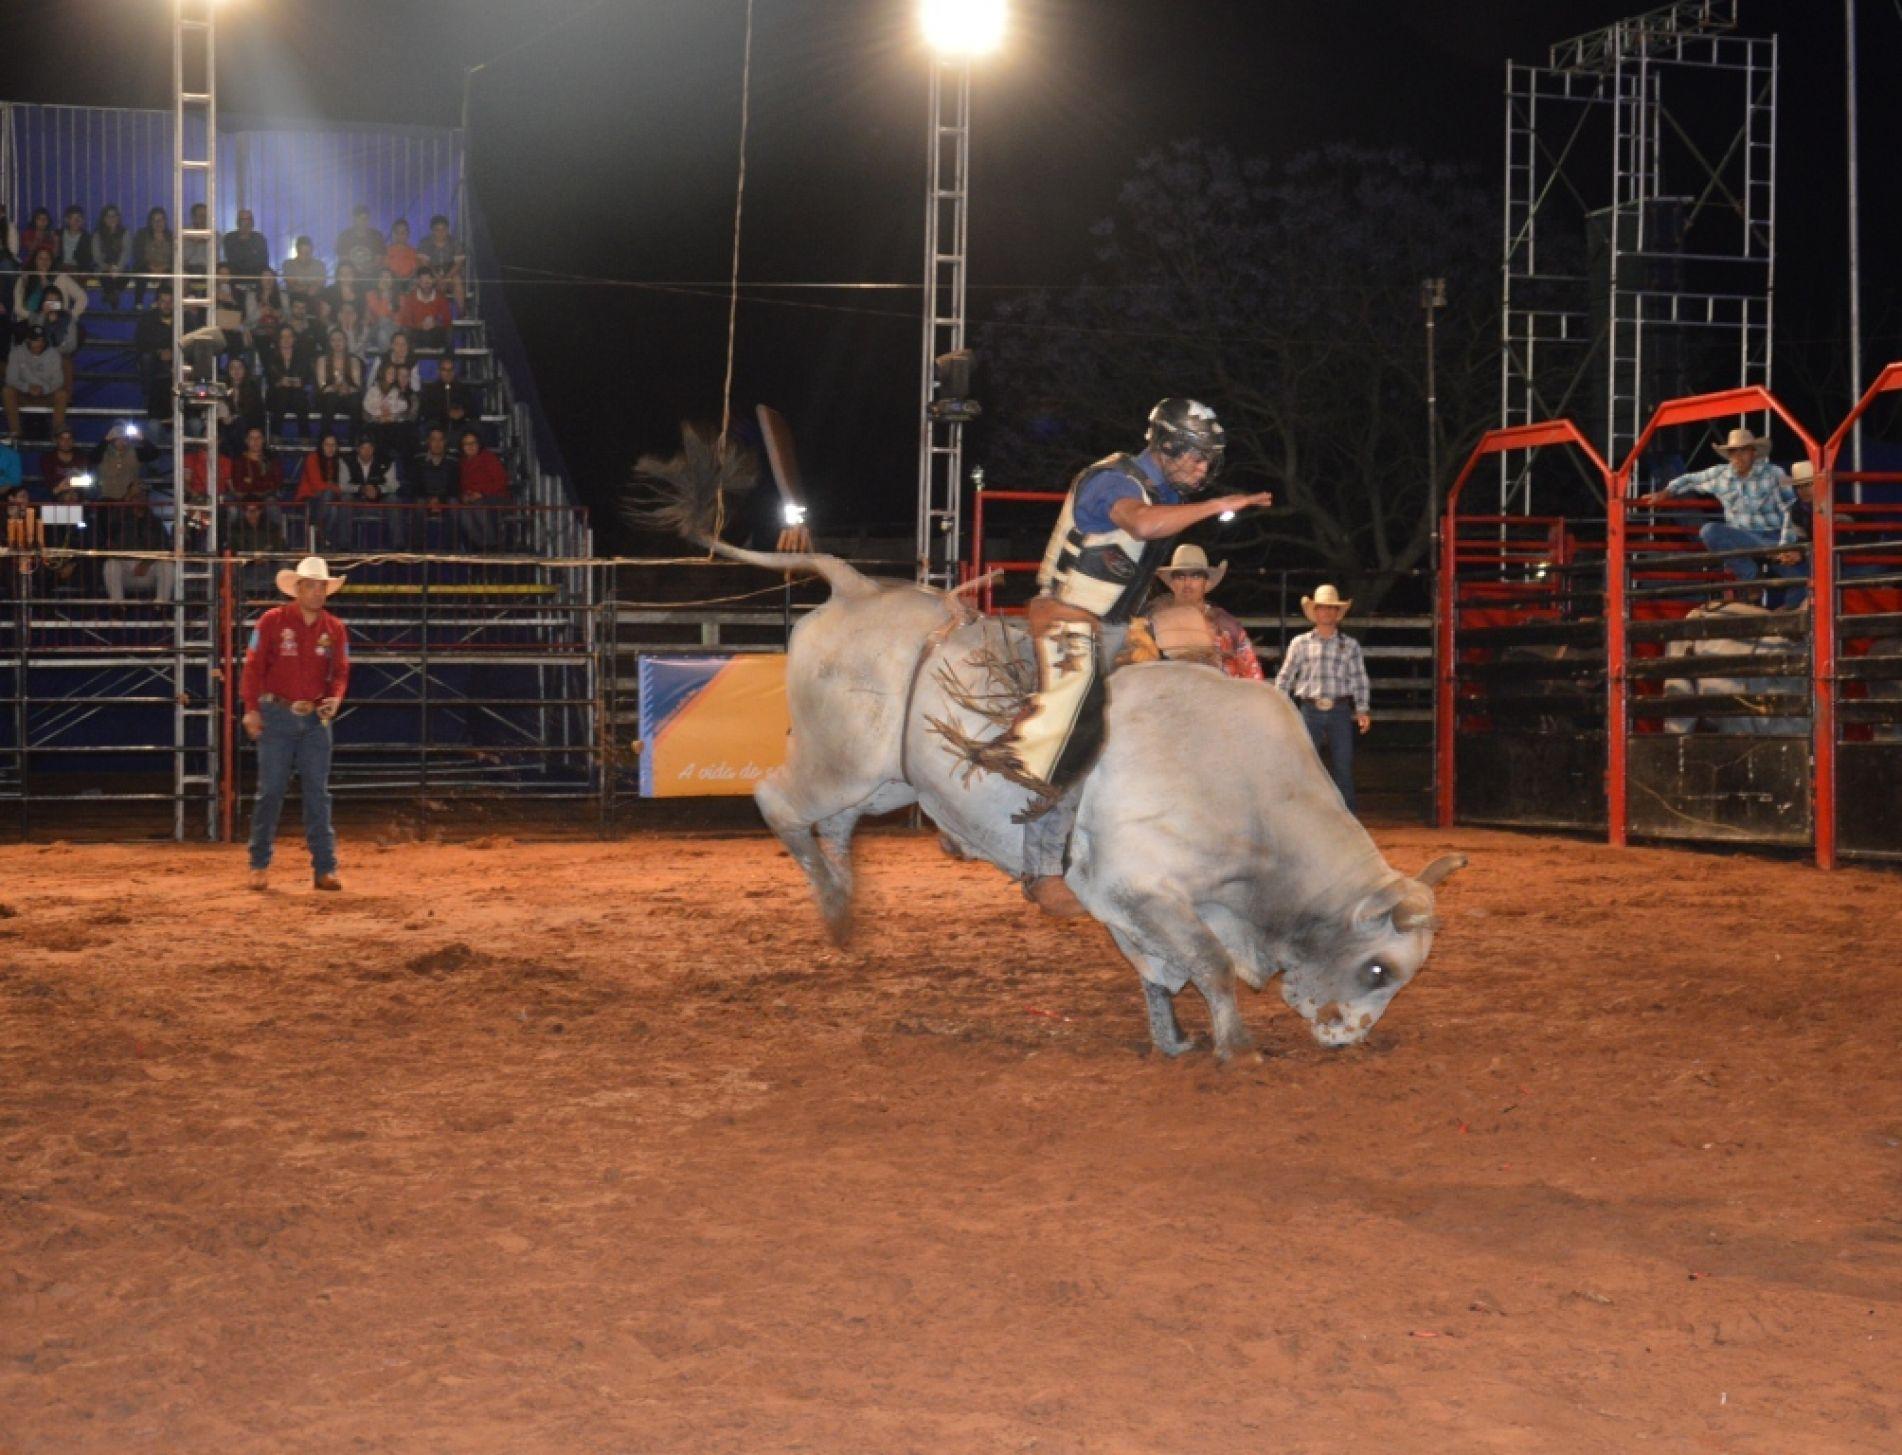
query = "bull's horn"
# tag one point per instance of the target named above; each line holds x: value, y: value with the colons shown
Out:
x: 1415, y: 914
x: 1441, y: 867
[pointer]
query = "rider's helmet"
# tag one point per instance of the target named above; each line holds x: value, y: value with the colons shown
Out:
x: 1179, y: 426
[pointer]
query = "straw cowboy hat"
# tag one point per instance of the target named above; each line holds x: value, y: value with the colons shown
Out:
x: 1325, y: 596
x: 311, y: 568
x: 1193, y: 558
x: 1803, y: 470
x: 1741, y: 439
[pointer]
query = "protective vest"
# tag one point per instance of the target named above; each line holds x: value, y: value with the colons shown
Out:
x: 1185, y: 633
x: 1106, y: 573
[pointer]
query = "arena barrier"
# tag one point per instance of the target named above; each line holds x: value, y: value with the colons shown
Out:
x: 1717, y: 720
x: 1520, y: 661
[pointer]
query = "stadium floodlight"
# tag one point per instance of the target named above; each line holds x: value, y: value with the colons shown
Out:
x: 959, y: 29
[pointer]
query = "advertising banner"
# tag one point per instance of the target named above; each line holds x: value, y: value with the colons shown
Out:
x: 711, y: 725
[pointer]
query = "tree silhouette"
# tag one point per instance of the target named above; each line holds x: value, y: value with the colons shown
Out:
x: 1287, y: 296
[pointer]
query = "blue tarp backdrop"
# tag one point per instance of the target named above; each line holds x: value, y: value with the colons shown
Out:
x: 296, y: 176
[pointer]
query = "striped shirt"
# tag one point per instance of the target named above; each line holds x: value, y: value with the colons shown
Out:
x: 1758, y: 501
x: 1318, y: 666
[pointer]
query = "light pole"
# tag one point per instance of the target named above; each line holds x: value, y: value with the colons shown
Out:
x: 957, y: 31
x: 1432, y: 300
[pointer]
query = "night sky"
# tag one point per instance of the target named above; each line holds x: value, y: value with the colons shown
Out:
x: 605, y: 154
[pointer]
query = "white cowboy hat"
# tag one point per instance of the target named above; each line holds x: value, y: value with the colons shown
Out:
x: 1193, y: 558
x: 311, y: 568
x: 1802, y: 470
x: 1325, y: 596
x: 1741, y: 439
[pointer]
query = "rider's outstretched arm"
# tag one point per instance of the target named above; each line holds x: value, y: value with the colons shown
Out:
x: 1159, y: 522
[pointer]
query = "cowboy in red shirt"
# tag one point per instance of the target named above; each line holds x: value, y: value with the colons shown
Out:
x: 295, y: 673
x: 425, y: 313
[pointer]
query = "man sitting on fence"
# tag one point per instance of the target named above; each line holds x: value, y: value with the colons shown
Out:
x: 1754, y: 493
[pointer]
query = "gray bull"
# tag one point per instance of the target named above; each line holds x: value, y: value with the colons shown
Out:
x: 1209, y: 839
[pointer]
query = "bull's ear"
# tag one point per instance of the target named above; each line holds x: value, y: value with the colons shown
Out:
x: 1441, y: 867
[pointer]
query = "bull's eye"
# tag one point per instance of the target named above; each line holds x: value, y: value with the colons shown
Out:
x: 1377, y: 975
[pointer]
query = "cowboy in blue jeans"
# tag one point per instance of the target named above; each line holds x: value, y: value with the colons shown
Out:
x: 1756, y: 497
x: 296, y: 671
x: 1326, y: 675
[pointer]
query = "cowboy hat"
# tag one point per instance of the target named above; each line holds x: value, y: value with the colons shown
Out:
x: 1325, y: 596
x: 1741, y: 439
x: 311, y: 568
x: 1193, y: 558
x: 1803, y: 470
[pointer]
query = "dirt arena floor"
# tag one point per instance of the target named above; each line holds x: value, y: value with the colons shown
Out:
x: 598, y: 1146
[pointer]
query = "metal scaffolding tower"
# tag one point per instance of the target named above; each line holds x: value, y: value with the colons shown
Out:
x: 1653, y: 277
x: 195, y: 293
x: 940, y: 425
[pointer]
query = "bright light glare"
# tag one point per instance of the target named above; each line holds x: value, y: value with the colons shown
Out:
x: 1226, y: 515
x: 81, y: 481
x: 961, y: 28
x: 791, y: 515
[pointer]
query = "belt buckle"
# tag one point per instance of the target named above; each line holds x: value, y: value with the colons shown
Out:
x: 303, y: 708
x: 1326, y: 704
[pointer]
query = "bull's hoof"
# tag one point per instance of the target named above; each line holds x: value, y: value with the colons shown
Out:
x: 1172, y: 1049
x: 1232, y: 1045
x: 839, y: 929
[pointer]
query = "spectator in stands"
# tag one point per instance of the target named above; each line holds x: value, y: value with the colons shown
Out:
x: 401, y: 353
x: 443, y: 253
x: 242, y: 408
x: 61, y: 463
x: 303, y: 271
x: 379, y: 303
x: 435, y: 476
x: 9, y: 236
x: 112, y: 259
x: 25, y: 535
x: 483, y: 483
x: 34, y: 376
x: 248, y: 252
x: 450, y: 404
x: 356, y: 333
x: 42, y: 281
x: 299, y: 321
x: 361, y: 245
x: 12, y: 467
x: 254, y: 533
x: 364, y: 468
x: 38, y: 233
x: 399, y: 257
x: 266, y: 309
x: 255, y: 474
x: 426, y: 314
x: 229, y: 315
x: 152, y: 249
x: 320, y: 487
x: 287, y: 378
x: 74, y: 245
x: 346, y: 289
x: 64, y: 333
x: 152, y: 340
x: 1754, y: 493
x: 389, y: 412
x: 1326, y: 674
x: 339, y: 385
x: 194, y: 249
x: 118, y: 464
x: 197, y: 486
x: 140, y: 531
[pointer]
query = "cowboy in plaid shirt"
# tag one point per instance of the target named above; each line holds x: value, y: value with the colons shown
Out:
x: 1326, y: 676
x: 1756, y: 497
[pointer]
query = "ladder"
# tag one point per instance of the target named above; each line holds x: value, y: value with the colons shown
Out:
x: 941, y: 439
x: 195, y: 682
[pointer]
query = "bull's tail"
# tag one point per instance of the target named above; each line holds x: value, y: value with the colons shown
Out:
x: 842, y: 576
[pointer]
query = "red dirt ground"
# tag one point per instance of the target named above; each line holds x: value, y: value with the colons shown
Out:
x: 599, y: 1147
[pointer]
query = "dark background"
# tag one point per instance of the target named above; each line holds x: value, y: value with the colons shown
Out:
x: 606, y: 137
